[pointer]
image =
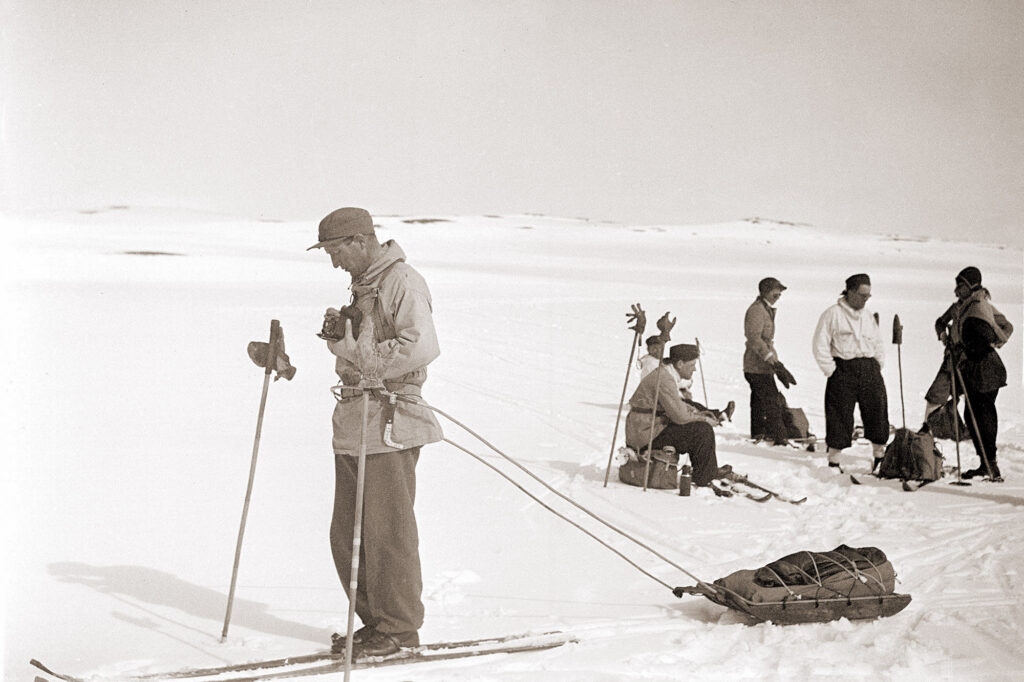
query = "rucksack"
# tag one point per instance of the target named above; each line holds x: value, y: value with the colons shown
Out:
x: 940, y: 422
x: 911, y: 457
x: 663, y: 475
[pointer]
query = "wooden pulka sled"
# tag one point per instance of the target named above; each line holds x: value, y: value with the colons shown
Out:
x: 843, y: 583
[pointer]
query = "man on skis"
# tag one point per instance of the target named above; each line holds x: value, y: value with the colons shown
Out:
x: 383, y: 339
x: 849, y: 350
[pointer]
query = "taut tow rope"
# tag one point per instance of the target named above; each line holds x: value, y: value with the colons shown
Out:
x: 559, y: 494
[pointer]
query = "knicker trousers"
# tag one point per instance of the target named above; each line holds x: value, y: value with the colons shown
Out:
x: 390, y: 582
x: 697, y: 439
x: 855, y: 382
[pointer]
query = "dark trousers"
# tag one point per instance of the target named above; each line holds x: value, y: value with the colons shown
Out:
x: 390, y: 583
x: 983, y: 405
x: 698, y: 440
x: 856, y: 382
x: 766, y: 419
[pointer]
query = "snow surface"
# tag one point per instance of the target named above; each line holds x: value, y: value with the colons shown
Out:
x: 132, y: 406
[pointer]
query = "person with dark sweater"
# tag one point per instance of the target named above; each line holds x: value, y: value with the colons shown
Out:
x: 972, y: 329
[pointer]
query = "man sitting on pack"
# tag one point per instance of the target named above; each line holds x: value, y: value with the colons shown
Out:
x: 650, y: 362
x: 675, y: 422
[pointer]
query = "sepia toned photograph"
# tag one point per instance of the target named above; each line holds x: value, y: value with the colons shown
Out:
x: 568, y: 340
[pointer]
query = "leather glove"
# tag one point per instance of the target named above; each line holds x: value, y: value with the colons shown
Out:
x: 783, y: 374
x: 665, y: 325
x: 638, y: 318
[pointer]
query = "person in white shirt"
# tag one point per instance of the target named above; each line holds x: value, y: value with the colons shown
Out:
x: 849, y: 350
x: 650, y: 362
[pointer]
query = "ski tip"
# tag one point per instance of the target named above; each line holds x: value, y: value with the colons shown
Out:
x: 853, y: 480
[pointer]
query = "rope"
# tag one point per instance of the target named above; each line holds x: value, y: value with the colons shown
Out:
x: 553, y: 490
x: 557, y: 513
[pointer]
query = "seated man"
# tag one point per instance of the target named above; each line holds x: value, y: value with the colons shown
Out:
x: 648, y: 363
x: 675, y: 422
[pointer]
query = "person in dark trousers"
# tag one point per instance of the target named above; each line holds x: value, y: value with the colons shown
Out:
x: 759, y: 363
x: 676, y: 422
x: 849, y: 350
x: 383, y: 340
x: 972, y: 329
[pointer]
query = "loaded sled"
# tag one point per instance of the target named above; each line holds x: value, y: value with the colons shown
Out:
x: 810, y: 587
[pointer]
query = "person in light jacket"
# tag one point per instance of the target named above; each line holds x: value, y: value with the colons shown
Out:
x: 383, y: 340
x: 849, y: 350
x: 675, y: 422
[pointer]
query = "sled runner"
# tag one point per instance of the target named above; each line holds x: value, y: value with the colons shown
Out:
x: 810, y: 587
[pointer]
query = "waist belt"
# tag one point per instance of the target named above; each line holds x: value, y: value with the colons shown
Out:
x: 647, y: 410
x: 346, y: 393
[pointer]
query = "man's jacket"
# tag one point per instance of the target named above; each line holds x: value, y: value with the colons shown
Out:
x: 396, y: 343
x: 976, y: 329
x: 845, y: 333
x: 671, y: 408
x: 759, y: 328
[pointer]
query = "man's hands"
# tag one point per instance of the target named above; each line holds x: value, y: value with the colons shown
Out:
x: 336, y: 323
x: 783, y: 374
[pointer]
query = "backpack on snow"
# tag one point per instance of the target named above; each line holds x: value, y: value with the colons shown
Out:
x: 663, y: 475
x: 794, y: 419
x: 911, y: 457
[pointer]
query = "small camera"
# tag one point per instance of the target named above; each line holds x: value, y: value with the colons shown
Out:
x: 334, y: 325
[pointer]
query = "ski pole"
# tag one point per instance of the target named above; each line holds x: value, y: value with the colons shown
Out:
x: 275, y: 333
x: 974, y: 422
x: 654, y: 421
x: 357, y: 535
x: 897, y: 338
x: 702, y: 384
x: 956, y: 417
x: 622, y: 400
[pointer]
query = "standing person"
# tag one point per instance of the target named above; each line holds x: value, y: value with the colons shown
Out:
x: 973, y: 329
x: 676, y: 422
x: 759, y: 364
x: 848, y: 347
x: 384, y: 339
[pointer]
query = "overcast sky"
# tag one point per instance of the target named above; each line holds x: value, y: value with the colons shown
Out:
x: 881, y: 116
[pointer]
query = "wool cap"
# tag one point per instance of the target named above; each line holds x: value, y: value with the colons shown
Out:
x: 345, y: 222
x: 853, y: 282
x: 682, y: 352
x: 768, y: 285
x: 971, y: 276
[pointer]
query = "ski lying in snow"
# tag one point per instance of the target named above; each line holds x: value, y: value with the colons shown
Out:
x: 432, y: 651
x: 726, y: 488
x: 741, y: 479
